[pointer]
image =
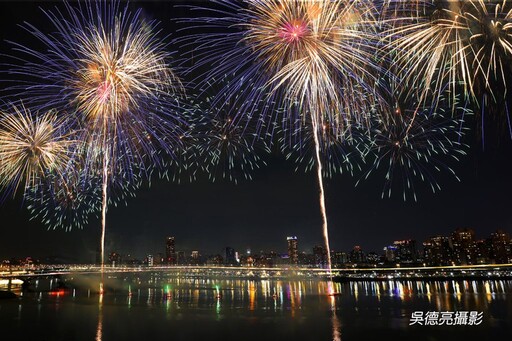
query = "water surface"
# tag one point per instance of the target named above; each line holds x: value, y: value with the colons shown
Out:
x: 161, y: 307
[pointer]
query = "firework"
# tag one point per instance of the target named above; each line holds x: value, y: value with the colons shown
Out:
x: 230, y: 141
x: 185, y: 166
x: 108, y: 67
x: 305, y: 54
x: 463, y: 44
x: 68, y: 200
x: 412, y: 141
x: 31, y: 148
x: 307, y: 58
x: 340, y: 153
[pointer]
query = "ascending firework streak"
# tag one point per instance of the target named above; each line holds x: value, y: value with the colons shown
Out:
x: 109, y: 68
x: 339, y: 154
x: 32, y: 148
x: 68, y: 199
x: 306, y: 57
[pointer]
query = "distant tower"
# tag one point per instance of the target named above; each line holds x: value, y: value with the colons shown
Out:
x: 293, y: 252
x: 170, y: 251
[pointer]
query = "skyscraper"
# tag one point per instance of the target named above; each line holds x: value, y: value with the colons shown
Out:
x: 501, y: 247
x: 357, y: 255
x: 293, y: 252
x: 170, y: 251
x: 438, y: 250
x: 406, y: 251
x: 464, y: 246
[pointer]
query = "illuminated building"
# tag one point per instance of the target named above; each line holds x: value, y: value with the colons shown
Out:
x: 293, y: 252
x: 464, y: 246
x: 150, y: 260
x: 438, y: 251
x: 320, y: 255
x: 339, y: 258
x: 372, y: 258
x: 501, y: 247
x: 357, y: 255
x: 483, y: 249
x: 170, y: 251
x: 406, y: 252
x: 390, y: 253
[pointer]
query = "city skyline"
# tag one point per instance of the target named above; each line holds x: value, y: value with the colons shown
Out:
x: 419, y: 251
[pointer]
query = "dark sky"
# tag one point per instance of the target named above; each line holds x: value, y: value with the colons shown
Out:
x: 279, y: 202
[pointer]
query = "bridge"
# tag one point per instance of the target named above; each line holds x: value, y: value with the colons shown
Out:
x: 351, y: 273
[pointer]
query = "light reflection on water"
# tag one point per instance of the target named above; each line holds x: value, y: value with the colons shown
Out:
x: 99, y: 329
x: 303, y: 306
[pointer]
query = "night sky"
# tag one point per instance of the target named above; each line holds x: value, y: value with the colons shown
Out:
x: 278, y: 202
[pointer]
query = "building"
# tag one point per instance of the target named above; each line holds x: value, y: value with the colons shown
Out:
x: 501, y: 247
x: 464, y: 246
x: 357, y: 255
x: 230, y: 256
x: 483, y: 248
x: 170, y: 251
x: 438, y: 251
x: 373, y: 258
x: 406, y: 252
x: 293, y: 251
x: 339, y: 258
x: 390, y: 252
x: 150, y: 260
x: 320, y: 256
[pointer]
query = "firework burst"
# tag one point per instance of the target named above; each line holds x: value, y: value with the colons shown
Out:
x: 464, y: 44
x: 305, y: 54
x: 230, y: 140
x: 307, y: 58
x: 68, y: 200
x: 31, y: 148
x: 412, y: 141
x: 108, y: 66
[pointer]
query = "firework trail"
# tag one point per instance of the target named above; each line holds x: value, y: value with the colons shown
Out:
x: 65, y: 201
x: 339, y: 154
x: 69, y: 199
x: 32, y: 147
x: 109, y: 67
x: 307, y: 58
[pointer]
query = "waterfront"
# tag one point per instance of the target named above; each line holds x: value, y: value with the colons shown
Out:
x: 153, y: 306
